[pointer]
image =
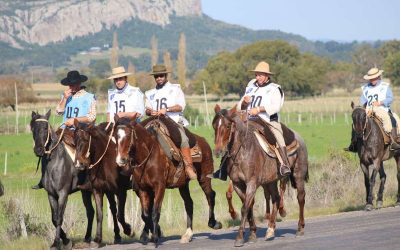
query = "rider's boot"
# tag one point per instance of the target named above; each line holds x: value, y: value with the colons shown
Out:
x: 353, y: 143
x: 39, y: 185
x: 393, y: 136
x: 284, y: 169
x: 222, y: 172
x: 188, y: 162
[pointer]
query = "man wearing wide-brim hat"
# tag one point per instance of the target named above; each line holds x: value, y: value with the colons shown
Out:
x: 264, y: 99
x: 168, y: 99
x: 75, y: 103
x: 125, y: 100
x: 376, y: 97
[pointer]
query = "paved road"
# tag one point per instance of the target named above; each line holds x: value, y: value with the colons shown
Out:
x: 378, y: 229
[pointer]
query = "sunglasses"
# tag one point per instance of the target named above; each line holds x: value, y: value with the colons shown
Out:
x: 159, y: 76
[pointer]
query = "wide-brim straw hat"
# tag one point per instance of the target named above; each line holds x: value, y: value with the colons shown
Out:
x: 118, y: 72
x: 373, y: 73
x: 262, y: 67
x: 159, y: 69
x: 73, y: 78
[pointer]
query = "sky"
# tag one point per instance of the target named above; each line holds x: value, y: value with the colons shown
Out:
x: 339, y: 20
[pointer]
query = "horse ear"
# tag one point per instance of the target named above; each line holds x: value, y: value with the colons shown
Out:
x: 233, y: 109
x: 34, y: 114
x: 116, y: 118
x: 76, y: 123
x: 217, y: 108
x: 48, y: 114
x: 352, y: 105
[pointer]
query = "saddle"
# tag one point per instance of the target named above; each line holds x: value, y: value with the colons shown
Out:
x: 386, y: 136
x: 268, y: 142
x: 169, y: 138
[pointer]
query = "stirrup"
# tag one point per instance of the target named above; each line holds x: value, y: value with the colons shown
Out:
x: 284, y: 170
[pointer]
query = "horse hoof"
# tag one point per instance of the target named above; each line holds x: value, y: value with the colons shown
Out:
x: 151, y: 245
x: 234, y: 216
x: 68, y: 245
x: 282, y: 212
x: 252, y: 237
x: 369, y: 207
x: 94, y: 244
x: 128, y: 230
x: 118, y: 240
x: 300, y: 233
x: 270, y: 234
x: 379, y: 204
x: 397, y: 204
x: 144, y: 237
x: 239, y: 243
x: 217, y: 225
x: 187, y: 237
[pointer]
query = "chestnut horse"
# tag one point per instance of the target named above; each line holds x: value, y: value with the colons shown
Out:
x: 60, y: 177
x: 153, y: 172
x: 372, y: 151
x: 96, y: 152
x: 250, y: 167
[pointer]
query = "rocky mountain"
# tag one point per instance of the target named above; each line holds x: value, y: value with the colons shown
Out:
x: 46, y: 21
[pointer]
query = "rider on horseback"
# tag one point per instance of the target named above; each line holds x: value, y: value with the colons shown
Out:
x: 75, y: 103
x: 168, y: 99
x: 377, y: 97
x: 265, y: 99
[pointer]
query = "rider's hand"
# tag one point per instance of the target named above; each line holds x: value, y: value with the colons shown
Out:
x: 162, y: 111
x: 69, y: 122
x: 376, y: 103
x: 254, y: 111
x: 67, y: 93
x: 247, y: 99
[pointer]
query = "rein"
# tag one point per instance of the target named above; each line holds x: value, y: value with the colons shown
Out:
x: 364, y: 136
x: 48, y: 136
x: 105, y: 150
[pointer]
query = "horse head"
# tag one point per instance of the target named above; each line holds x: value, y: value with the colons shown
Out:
x: 126, y: 136
x: 222, y: 124
x: 83, y: 143
x: 41, y: 132
x: 359, y: 117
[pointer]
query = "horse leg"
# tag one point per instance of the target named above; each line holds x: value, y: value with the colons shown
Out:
x: 98, y: 197
x: 267, y: 197
x: 274, y: 193
x: 54, y: 212
x: 145, y: 203
x: 121, y: 212
x: 205, y: 184
x: 87, y: 202
x: 61, y: 204
x: 156, y: 212
x: 113, y: 209
x: 371, y: 188
x: 282, y: 189
x: 229, y: 192
x: 367, y: 184
x: 185, y: 194
x: 397, y: 158
x: 252, y: 224
x: 382, y: 176
x: 241, y: 192
x: 301, y: 195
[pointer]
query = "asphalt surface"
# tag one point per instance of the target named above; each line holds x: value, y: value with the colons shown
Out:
x: 377, y: 229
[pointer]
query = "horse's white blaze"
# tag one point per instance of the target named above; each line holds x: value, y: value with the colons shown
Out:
x: 219, y: 123
x: 70, y: 151
x: 187, y: 237
x: 121, y: 135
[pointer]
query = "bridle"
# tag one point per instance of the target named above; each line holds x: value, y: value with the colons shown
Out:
x: 363, y: 132
x: 48, y: 152
x: 134, y: 135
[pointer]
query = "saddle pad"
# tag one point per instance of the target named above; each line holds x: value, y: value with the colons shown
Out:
x: 270, y: 149
x: 288, y: 134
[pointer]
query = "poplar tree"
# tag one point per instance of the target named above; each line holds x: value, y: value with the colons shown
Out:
x: 181, y: 63
x: 154, y: 50
x: 132, y: 78
x: 114, y: 52
x: 168, y: 62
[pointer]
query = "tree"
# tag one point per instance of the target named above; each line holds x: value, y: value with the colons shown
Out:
x: 168, y: 63
x: 364, y: 58
x: 7, y: 89
x: 114, y: 51
x: 132, y: 78
x: 392, y: 68
x: 154, y: 50
x: 181, y: 63
x: 389, y: 48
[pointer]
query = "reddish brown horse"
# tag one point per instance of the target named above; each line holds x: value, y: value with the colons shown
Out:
x: 96, y: 152
x: 153, y: 172
x: 250, y: 167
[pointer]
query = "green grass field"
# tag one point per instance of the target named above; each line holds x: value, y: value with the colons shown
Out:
x: 335, y: 185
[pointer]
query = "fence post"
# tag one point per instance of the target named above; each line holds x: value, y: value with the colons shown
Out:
x: 5, y: 164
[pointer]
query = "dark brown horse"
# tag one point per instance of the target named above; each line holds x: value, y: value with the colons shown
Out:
x: 96, y: 152
x: 373, y: 151
x: 1, y: 189
x: 60, y: 177
x: 153, y: 172
x: 250, y: 167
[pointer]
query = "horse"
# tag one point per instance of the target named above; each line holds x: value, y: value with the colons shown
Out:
x: 250, y: 167
x: 60, y: 177
x: 96, y: 152
x: 1, y: 189
x: 371, y: 150
x: 153, y: 172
